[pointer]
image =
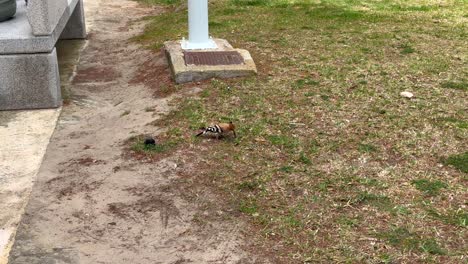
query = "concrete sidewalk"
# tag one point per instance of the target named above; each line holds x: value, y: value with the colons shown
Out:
x: 24, y: 138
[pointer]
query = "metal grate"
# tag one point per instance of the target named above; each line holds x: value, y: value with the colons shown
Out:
x: 213, y: 58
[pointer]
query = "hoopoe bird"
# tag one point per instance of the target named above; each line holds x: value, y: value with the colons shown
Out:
x: 218, y: 130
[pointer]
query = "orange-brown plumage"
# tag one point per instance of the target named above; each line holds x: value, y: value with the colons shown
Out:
x: 227, y: 127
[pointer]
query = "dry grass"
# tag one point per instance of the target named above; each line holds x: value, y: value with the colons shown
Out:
x: 331, y: 164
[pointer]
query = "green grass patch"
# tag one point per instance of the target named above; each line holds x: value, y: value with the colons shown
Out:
x: 367, y: 148
x: 348, y: 221
x: 304, y: 159
x: 406, y: 49
x: 292, y: 221
x: 160, y: 2
x: 301, y: 83
x: 421, y: 8
x: 453, y: 217
x: 252, y: 2
x: 284, y: 141
x: 286, y: 169
x: 459, y: 161
x: 335, y: 13
x: 429, y: 187
x: 248, y: 207
x: 462, y: 85
x: 194, y: 112
x: 432, y: 247
x: 381, y: 202
x: 174, y: 28
x: 462, y: 124
x: 160, y: 147
x: 402, y: 238
x: 249, y: 185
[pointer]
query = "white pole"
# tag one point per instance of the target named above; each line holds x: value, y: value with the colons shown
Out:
x: 198, y: 26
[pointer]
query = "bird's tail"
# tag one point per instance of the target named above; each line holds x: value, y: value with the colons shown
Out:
x: 201, y: 133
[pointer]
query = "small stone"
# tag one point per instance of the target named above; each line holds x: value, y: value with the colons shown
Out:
x: 150, y: 141
x: 407, y: 94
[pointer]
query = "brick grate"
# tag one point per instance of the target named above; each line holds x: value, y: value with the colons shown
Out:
x: 212, y: 58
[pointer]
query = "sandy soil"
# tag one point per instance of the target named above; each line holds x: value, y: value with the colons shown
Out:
x: 92, y: 205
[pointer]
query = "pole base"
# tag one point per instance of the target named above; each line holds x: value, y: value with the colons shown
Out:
x: 187, y: 45
x: 197, y: 65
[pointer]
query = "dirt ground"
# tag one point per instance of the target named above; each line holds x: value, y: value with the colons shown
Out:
x: 91, y: 204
